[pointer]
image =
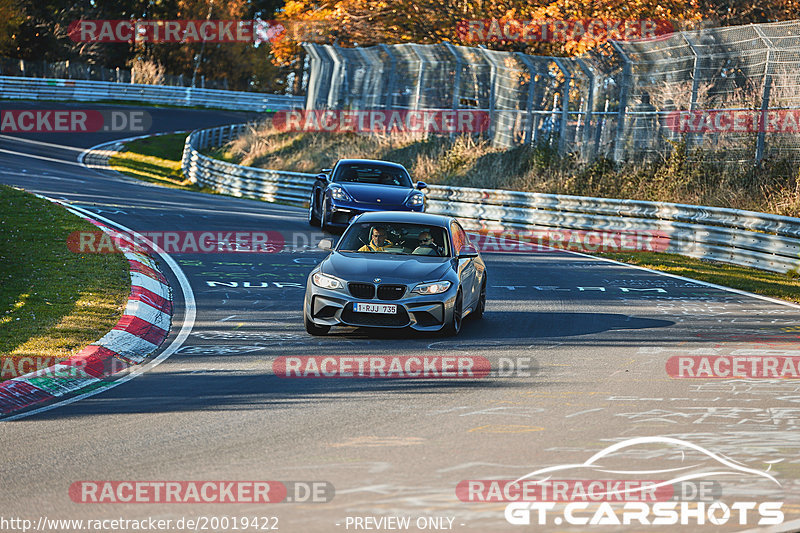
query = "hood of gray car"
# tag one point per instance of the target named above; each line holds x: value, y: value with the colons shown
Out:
x: 390, y: 268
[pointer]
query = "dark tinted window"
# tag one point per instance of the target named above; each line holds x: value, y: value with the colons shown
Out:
x: 396, y: 238
x: 376, y: 174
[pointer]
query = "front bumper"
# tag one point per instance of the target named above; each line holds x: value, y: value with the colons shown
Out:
x: 423, y: 313
x: 342, y: 212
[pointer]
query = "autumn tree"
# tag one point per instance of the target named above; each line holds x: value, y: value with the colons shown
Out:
x: 368, y: 22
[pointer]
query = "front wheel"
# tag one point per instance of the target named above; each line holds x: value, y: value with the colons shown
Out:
x: 454, y: 327
x: 314, y: 329
x: 324, y: 220
x: 313, y: 219
x: 478, y: 314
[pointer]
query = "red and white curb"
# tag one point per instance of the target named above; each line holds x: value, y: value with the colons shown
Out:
x: 144, y: 325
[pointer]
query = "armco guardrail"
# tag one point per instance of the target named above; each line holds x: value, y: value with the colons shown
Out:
x: 92, y: 91
x: 760, y: 240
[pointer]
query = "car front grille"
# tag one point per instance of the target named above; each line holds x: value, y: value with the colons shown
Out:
x: 362, y: 290
x: 391, y: 292
x: 373, y: 319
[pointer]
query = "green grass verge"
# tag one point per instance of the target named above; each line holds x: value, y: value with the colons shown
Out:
x: 783, y: 286
x: 154, y: 159
x: 167, y: 153
x: 53, y: 302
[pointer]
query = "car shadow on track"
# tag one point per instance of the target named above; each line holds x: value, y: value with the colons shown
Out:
x: 512, y: 325
x: 223, y: 390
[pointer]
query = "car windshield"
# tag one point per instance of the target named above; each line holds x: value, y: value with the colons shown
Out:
x: 395, y: 238
x: 372, y: 173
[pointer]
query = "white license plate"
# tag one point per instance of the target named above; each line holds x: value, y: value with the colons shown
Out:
x: 383, y: 309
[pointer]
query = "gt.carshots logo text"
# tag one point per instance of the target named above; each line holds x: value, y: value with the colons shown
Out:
x: 489, y: 30
x: 683, y: 496
x: 383, y: 121
x: 73, y: 120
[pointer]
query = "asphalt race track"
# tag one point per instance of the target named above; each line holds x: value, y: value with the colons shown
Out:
x: 596, y: 336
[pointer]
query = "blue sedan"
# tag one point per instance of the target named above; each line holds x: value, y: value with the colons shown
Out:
x: 356, y: 186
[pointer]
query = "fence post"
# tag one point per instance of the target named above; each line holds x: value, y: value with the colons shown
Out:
x: 619, y: 149
x: 456, y: 81
x: 695, y: 85
x: 314, y: 77
x: 338, y: 72
x: 390, y: 83
x: 532, y: 70
x: 418, y: 91
x: 588, y: 153
x: 762, y: 119
x: 492, y: 90
x: 562, y: 134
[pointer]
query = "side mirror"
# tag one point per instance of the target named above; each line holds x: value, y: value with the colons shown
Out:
x: 325, y: 244
x: 324, y: 174
x: 467, y: 252
x: 422, y: 185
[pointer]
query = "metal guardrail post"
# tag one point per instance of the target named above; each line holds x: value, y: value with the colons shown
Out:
x: 456, y: 81
x: 562, y: 134
x: 619, y: 149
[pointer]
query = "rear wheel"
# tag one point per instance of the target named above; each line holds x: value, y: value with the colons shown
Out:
x: 314, y: 329
x: 452, y: 329
x: 313, y: 219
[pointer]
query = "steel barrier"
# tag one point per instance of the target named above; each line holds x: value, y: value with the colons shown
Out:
x: 747, y: 238
x: 13, y: 87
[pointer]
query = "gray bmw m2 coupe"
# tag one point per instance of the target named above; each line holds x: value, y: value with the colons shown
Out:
x: 394, y: 270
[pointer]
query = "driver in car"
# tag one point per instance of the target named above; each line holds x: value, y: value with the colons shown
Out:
x: 377, y: 242
x: 426, y: 245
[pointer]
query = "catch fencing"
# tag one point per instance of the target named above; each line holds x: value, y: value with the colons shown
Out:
x: 747, y: 238
x: 93, y: 91
x: 623, y: 100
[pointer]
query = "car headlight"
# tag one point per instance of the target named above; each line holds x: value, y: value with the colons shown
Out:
x: 338, y: 193
x: 324, y: 281
x: 416, y: 199
x: 432, y: 288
